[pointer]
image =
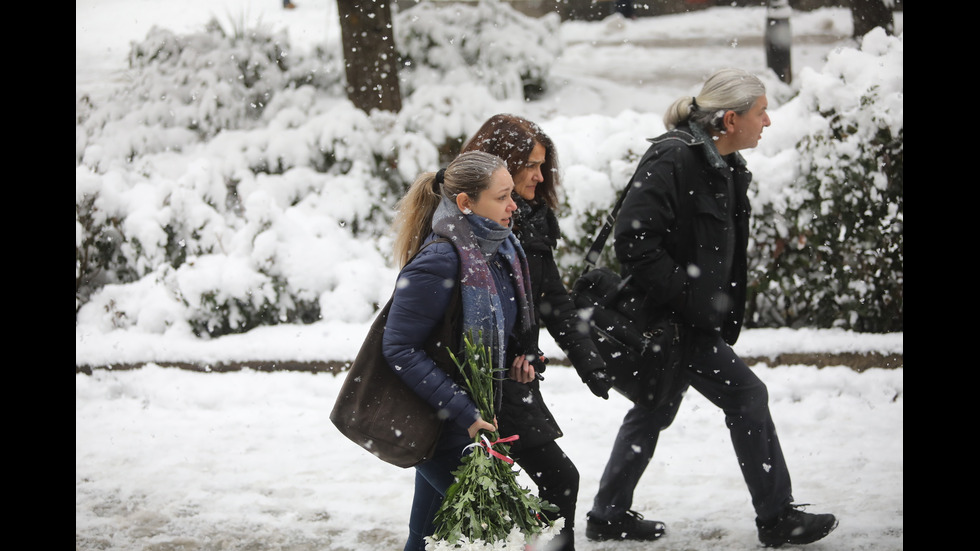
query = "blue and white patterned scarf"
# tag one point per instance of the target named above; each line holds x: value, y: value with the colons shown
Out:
x: 477, y: 240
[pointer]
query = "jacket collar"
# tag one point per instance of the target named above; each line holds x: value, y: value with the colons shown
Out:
x: 693, y: 135
x: 535, y: 225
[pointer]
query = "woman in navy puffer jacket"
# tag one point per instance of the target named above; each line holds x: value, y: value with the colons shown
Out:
x: 466, y: 264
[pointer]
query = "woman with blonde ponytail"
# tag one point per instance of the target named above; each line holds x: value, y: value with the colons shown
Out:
x: 465, y: 177
x: 681, y: 236
x: 460, y: 262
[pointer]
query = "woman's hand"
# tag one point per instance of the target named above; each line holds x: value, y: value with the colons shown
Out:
x: 521, y: 370
x: 479, y: 425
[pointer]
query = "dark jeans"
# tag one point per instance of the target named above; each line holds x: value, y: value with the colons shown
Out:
x: 432, y: 479
x: 557, y: 480
x: 722, y: 377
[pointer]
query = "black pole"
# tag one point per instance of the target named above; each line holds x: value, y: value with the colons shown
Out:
x: 779, y: 39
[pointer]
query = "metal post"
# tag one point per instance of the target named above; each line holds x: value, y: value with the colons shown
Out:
x: 779, y: 39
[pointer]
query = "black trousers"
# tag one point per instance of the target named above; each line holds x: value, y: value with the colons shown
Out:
x: 715, y: 371
x: 557, y: 480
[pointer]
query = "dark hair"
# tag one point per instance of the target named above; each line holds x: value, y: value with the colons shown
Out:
x: 512, y: 138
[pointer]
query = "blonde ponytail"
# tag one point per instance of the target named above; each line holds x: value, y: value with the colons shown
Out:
x: 413, y: 221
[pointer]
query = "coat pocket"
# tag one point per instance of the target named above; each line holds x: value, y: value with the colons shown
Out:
x: 711, y: 228
x: 708, y: 300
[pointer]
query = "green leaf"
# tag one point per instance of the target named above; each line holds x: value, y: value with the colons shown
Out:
x: 486, y: 502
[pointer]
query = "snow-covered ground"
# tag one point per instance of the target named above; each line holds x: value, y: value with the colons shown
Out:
x: 169, y: 459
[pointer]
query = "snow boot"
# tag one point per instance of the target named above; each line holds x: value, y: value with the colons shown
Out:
x: 795, y: 527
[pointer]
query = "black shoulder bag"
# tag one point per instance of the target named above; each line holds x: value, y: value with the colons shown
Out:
x: 643, y: 356
x: 376, y: 409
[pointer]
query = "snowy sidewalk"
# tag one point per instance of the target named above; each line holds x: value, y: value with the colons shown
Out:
x: 168, y: 459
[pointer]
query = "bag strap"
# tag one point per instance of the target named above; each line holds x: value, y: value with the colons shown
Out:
x: 592, y: 257
x: 600, y: 241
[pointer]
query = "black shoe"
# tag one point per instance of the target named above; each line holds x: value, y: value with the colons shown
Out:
x: 793, y: 526
x: 630, y: 526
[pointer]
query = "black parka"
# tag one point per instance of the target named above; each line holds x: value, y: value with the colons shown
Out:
x: 682, y: 231
x: 524, y: 411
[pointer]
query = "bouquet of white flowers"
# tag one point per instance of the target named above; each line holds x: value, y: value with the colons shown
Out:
x: 486, y: 508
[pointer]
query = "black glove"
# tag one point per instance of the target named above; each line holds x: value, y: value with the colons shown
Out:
x: 599, y: 383
x: 538, y: 361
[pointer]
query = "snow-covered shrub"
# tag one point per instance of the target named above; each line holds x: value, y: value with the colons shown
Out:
x: 98, y: 240
x: 446, y: 115
x: 183, y: 87
x: 232, y: 295
x: 282, y: 215
x: 249, y: 248
x: 276, y: 194
x: 230, y: 254
x: 828, y: 248
x: 597, y: 157
x: 489, y: 43
x: 216, y: 80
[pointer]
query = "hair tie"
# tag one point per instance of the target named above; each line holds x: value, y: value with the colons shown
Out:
x: 694, y: 103
x: 437, y: 182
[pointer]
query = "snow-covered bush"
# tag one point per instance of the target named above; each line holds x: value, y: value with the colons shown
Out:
x: 245, y: 219
x: 207, y: 206
x: 446, y: 116
x: 217, y: 80
x: 197, y: 85
x: 490, y: 43
x: 98, y: 240
x: 235, y: 175
x: 828, y: 247
x: 597, y: 157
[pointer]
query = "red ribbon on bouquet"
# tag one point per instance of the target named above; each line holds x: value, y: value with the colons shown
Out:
x: 488, y: 446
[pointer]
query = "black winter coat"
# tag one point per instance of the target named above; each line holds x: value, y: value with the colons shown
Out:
x: 524, y: 411
x: 682, y: 231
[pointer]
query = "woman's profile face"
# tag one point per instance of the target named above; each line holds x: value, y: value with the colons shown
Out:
x: 495, y: 202
x: 526, y: 179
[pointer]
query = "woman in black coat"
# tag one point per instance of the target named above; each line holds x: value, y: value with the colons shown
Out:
x: 532, y: 161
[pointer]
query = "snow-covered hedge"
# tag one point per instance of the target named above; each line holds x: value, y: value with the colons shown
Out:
x: 197, y: 85
x: 233, y: 177
x: 829, y: 241
x: 488, y: 42
x: 827, y: 246
x: 230, y: 183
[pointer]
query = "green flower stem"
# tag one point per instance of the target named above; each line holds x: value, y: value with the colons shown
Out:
x: 486, y: 501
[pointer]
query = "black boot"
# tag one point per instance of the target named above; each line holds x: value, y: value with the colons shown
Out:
x: 793, y: 526
x: 630, y: 526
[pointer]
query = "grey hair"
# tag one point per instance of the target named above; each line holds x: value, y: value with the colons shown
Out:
x: 726, y: 90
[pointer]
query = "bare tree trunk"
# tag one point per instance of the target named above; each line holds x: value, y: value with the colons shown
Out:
x: 868, y: 14
x: 369, y: 54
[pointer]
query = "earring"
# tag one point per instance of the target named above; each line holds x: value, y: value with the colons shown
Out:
x: 467, y: 211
